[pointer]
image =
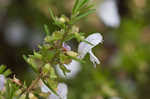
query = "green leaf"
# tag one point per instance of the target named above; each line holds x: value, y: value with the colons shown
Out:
x: 83, y: 2
x: 11, y: 90
x: 48, y: 55
x: 52, y: 14
x: 4, y: 71
x: 85, y: 14
x: 64, y: 69
x: 46, y: 30
x: 37, y: 55
x: 79, y: 4
x: 2, y: 68
x: 75, y: 6
x: 38, y: 96
x: 86, y: 8
x: 26, y: 59
x: 59, y: 24
x: 49, y: 87
x: 7, y: 72
x: 82, y: 15
x: 71, y: 36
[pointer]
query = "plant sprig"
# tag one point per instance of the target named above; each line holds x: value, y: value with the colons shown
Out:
x: 51, y: 53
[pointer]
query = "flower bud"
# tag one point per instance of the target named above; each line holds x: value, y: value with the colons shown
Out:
x: 72, y: 53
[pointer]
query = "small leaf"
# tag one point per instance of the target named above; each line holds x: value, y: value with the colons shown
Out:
x: 82, y: 15
x: 2, y: 68
x: 85, y: 14
x: 7, y: 72
x: 33, y: 67
x: 80, y: 5
x: 52, y: 14
x: 46, y: 30
x: 71, y: 36
x: 64, y: 69
x: 86, y: 8
x: 50, y: 87
x: 83, y: 3
x: 75, y: 6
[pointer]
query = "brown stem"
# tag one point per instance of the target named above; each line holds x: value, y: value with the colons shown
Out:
x: 34, y: 82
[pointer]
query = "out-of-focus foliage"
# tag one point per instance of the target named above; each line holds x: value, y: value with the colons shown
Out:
x: 124, y: 70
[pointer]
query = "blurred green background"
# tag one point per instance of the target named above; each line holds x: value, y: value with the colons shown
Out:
x: 124, y: 72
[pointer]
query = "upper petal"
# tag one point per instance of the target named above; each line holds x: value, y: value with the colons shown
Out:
x: 84, y: 47
x: 108, y: 12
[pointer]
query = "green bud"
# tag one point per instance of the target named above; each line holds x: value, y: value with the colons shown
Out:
x: 75, y: 29
x: 47, y: 66
x: 72, y: 53
x: 63, y: 19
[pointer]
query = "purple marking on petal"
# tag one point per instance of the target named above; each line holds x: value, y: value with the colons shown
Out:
x: 67, y: 47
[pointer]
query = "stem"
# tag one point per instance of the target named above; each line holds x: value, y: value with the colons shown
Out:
x: 34, y: 82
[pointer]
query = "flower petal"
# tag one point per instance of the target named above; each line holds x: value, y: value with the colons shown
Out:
x: 2, y: 82
x: 67, y: 47
x: 94, y: 59
x: 44, y: 88
x: 84, y: 47
x: 108, y: 12
x: 74, y: 68
x: 62, y: 92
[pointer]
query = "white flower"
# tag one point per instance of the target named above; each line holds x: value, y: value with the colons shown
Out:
x: 74, y: 66
x: 85, y: 48
x: 2, y: 82
x: 62, y: 91
x: 108, y: 12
